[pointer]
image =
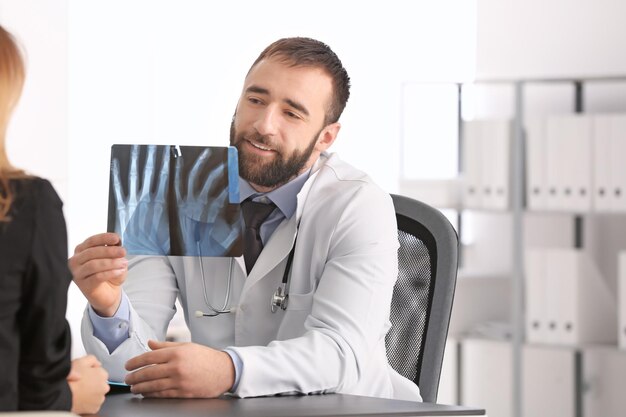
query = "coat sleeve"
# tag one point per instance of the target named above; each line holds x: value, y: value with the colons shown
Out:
x: 350, y: 311
x: 44, y: 332
x: 152, y: 291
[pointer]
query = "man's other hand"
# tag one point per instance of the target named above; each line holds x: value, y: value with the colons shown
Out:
x: 180, y: 370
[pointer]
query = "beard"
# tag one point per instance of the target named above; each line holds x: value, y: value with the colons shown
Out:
x: 280, y: 170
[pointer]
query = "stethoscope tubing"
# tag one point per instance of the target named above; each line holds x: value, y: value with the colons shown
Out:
x: 214, y: 311
x: 279, y: 298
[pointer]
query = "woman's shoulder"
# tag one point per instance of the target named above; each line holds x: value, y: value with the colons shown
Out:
x: 34, y: 190
x: 33, y: 198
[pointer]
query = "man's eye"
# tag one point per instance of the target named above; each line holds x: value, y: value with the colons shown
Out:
x: 254, y: 100
x: 292, y: 115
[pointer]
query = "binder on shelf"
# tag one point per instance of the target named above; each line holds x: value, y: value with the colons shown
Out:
x: 496, y: 158
x: 556, y: 153
x: 563, y: 270
x: 581, y: 185
x: 552, y: 298
x: 602, y: 142
x: 567, y: 300
x: 585, y: 307
x: 486, y: 375
x: 486, y: 164
x: 568, y: 172
x: 536, y: 297
x: 471, y: 159
x: 609, y: 163
x: 621, y: 285
x: 618, y: 162
x: 536, y: 189
x: 549, y: 385
x: 603, y: 370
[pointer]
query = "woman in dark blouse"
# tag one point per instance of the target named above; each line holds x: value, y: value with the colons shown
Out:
x: 35, y: 368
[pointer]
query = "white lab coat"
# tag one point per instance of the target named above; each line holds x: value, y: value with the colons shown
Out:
x: 331, y: 338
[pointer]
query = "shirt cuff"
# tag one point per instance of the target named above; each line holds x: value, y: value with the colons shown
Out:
x: 238, y: 367
x: 112, y: 331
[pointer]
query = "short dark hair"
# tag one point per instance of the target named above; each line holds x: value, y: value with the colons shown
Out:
x: 309, y: 52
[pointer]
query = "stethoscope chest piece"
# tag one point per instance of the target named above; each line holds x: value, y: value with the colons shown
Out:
x: 279, y: 300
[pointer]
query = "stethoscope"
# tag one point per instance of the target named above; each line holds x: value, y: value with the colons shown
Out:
x: 278, y: 300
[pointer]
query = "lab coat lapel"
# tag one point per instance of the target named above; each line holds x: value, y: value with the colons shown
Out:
x: 276, y: 249
x: 242, y: 264
x: 283, y: 238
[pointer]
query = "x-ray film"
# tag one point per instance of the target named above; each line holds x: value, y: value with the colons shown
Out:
x: 176, y: 200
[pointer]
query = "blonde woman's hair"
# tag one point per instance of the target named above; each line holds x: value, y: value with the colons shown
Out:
x: 11, y: 83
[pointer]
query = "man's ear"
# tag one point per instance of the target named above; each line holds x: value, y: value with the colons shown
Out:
x: 327, y: 136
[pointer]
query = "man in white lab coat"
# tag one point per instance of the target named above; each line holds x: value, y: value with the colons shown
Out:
x: 331, y: 335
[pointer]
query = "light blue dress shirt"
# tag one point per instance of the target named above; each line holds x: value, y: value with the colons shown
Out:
x: 112, y: 331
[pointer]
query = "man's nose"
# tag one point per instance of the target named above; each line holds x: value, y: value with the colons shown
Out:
x: 267, y: 122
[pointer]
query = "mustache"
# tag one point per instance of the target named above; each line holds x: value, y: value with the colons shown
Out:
x: 257, y: 137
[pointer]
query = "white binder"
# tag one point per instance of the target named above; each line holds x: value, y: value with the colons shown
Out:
x: 536, y: 297
x: 568, y: 173
x: 472, y: 169
x: 585, y: 308
x: 580, y: 148
x: 618, y: 162
x: 552, y: 282
x: 554, y: 163
x: 548, y: 381
x: 602, y: 143
x: 621, y: 284
x: 487, y: 375
x: 564, y: 272
x: 486, y: 164
x: 497, y: 163
x: 603, y: 373
x: 536, y: 160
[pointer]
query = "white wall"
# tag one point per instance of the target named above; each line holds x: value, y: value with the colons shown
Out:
x: 37, y: 136
x: 538, y: 38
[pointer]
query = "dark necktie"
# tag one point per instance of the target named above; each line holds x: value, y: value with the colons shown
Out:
x: 254, y: 214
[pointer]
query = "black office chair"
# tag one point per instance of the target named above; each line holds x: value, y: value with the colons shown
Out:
x: 423, y: 294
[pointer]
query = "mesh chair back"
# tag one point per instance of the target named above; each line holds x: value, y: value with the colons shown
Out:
x: 423, y: 294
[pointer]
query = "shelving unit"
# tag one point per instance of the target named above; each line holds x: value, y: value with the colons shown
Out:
x: 517, y: 209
